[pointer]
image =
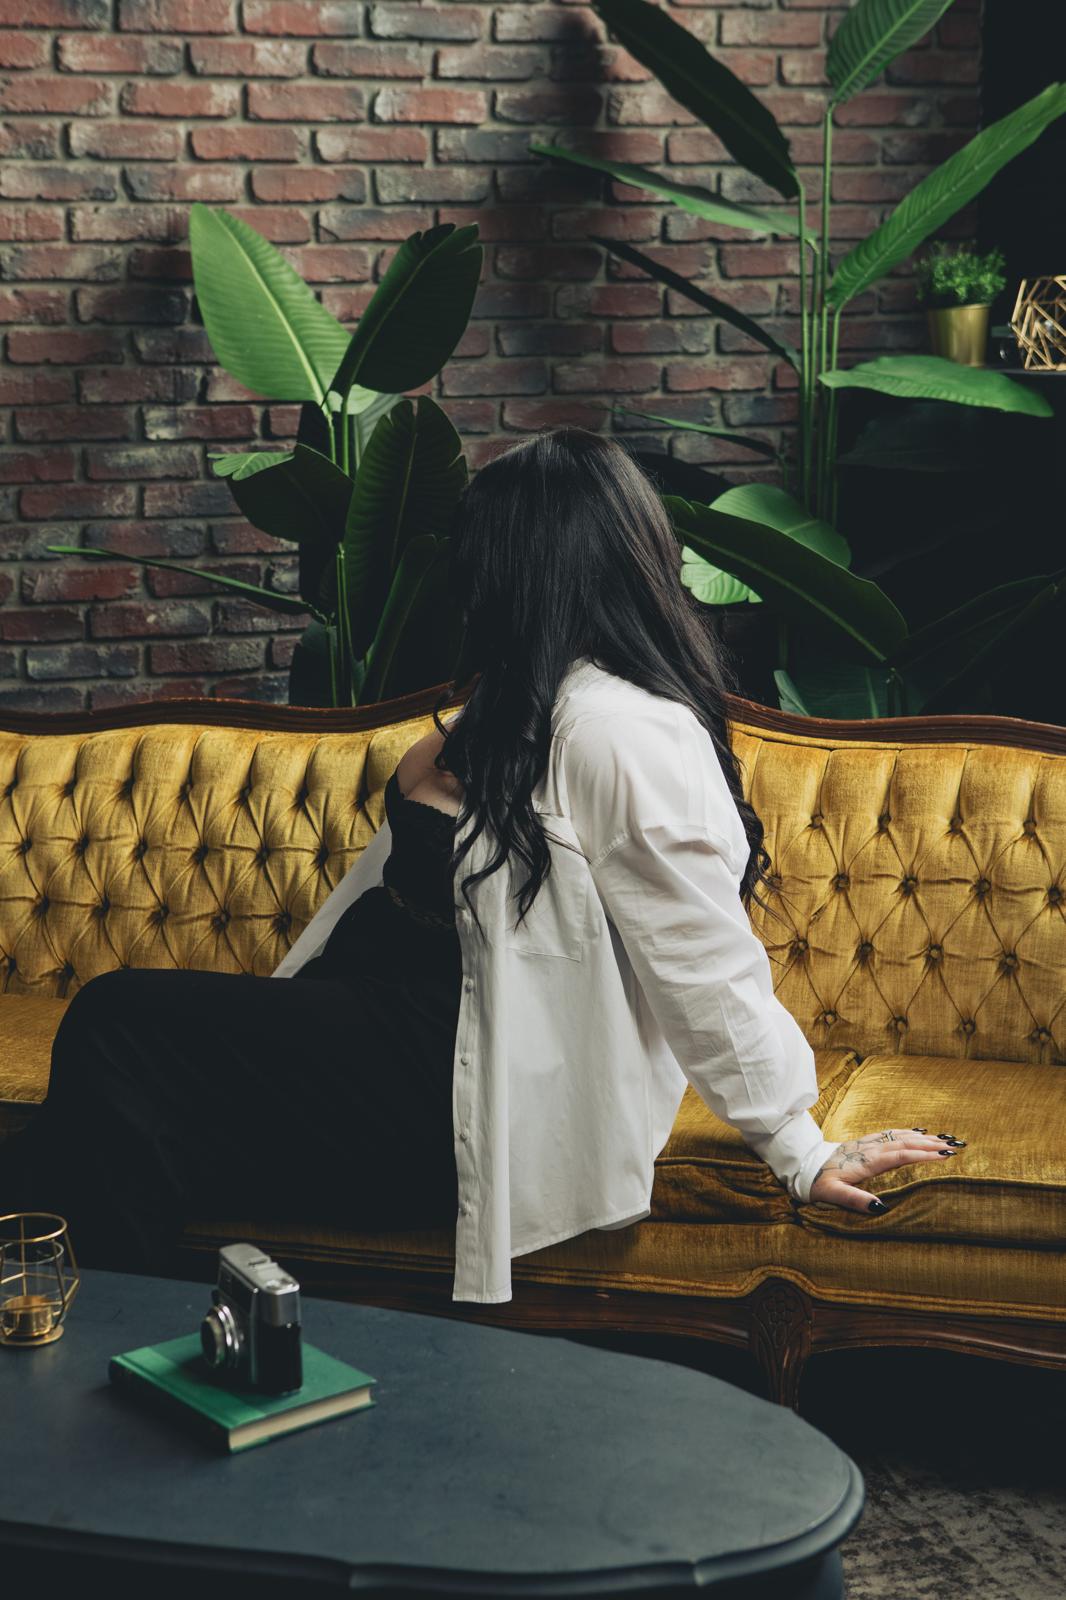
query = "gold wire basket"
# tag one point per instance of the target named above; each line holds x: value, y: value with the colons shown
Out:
x: 38, y: 1277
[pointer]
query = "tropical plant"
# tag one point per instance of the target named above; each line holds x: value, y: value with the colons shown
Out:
x: 947, y: 277
x: 368, y: 490
x: 780, y: 544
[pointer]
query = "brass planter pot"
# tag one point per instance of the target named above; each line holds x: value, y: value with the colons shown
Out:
x: 960, y: 333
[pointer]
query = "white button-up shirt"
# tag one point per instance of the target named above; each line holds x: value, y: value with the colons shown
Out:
x: 635, y: 971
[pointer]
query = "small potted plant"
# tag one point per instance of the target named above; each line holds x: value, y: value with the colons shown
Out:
x: 957, y: 288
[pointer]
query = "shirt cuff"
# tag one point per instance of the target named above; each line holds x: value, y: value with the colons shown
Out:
x: 796, y: 1154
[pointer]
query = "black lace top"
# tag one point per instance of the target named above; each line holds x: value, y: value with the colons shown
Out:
x: 417, y: 873
x: 402, y: 930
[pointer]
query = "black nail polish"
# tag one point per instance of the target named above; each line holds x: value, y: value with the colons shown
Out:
x: 946, y: 1152
x: 876, y: 1205
x: 919, y: 1130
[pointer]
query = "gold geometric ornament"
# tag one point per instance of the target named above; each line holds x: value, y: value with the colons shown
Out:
x: 1039, y: 322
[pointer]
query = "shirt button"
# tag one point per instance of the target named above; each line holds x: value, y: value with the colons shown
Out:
x: 465, y: 1059
x: 464, y: 1209
x: 464, y: 1134
x: 468, y: 985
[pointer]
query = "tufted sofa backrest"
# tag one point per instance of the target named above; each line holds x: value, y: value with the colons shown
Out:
x: 919, y: 888
x: 918, y: 904
x: 179, y: 844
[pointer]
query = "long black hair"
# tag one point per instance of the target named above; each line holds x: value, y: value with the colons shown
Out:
x: 560, y: 548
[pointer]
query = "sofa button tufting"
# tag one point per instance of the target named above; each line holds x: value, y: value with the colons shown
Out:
x: 934, y: 952
x: 1040, y: 1035
x: 11, y: 787
x: 899, y: 1023
x: 1010, y: 962
x: 829, y: 1017
x: 25, y: 845
x: 221, y: 917
x: 954, y: 824
x: 865, y: 950
x: 82, y: 844
x: 884, y: 819
x: 799, y: 947
x: 968, y: 1025
x: 816, y: 819
x: 841, y: 881
x: 981, y: 887
x: 1029, y: 827
x: 103, y: 906
x: 908, y: 884
x: 1054, y: 894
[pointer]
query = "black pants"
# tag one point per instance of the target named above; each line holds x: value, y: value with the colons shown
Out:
x: 179, y: 1094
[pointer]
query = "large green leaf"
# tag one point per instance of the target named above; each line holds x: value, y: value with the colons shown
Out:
x: 942, y: 656
x: 409, y: 484
x: 288, y: 603
x: 265, y: 325
x: 796, y: 580
x: 705, y: 87
x: 838, y: 689
x: 245, y: 463
x: 718, y: 308
x: 419, y: 556
x: 302, y: 497
x: 690, y: 197
x: 710, y: 584
x: 763, y: 502
x: 935, y: 378
x: 871, y: 35
x: 937, y: 198
x: 418, y: 313
x: 758, y: 445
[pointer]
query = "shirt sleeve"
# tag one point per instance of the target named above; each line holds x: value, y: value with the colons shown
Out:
x: 665, y: 858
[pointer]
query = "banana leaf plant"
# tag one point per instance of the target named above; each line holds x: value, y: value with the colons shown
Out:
x: 368, y: 490
x: 745, y: 552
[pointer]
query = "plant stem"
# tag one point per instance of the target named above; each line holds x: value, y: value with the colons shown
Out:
x: 342, y: 421
x: 831, y: 430
x: 331, y: 640
x: 344, y: 623
x: 820, y: 311
x: 805, y: 358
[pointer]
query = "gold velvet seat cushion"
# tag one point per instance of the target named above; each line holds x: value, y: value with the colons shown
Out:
x: 671, y: 1258
x: 706, y: 1173
x: 28, y: 1024
x: 1007, y: 1187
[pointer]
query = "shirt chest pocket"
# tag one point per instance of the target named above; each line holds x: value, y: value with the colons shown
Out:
x: 556, y: 924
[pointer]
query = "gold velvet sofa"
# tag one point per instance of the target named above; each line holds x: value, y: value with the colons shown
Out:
x: 918, y: 935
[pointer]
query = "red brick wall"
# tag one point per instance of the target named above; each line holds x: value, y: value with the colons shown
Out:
x: 336, y: 128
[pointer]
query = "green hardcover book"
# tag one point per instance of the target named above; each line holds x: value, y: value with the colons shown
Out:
x: 175, y: 1375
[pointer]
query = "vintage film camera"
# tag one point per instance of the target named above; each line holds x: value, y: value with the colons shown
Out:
x: 253, y: 1327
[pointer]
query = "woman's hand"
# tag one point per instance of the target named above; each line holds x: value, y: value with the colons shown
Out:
x: 859, y: 1159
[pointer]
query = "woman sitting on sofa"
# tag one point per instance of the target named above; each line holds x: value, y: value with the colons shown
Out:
x: 490, y: 1022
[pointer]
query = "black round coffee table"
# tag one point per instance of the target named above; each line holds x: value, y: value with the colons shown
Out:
x: 493, y: 1464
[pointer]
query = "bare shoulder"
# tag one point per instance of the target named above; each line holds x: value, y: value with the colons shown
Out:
x: 419, y: 779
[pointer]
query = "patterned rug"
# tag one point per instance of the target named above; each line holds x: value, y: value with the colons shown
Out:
x: 964, y: 1460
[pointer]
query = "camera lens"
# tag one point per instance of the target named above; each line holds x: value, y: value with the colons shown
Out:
x: 220, y: 1338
